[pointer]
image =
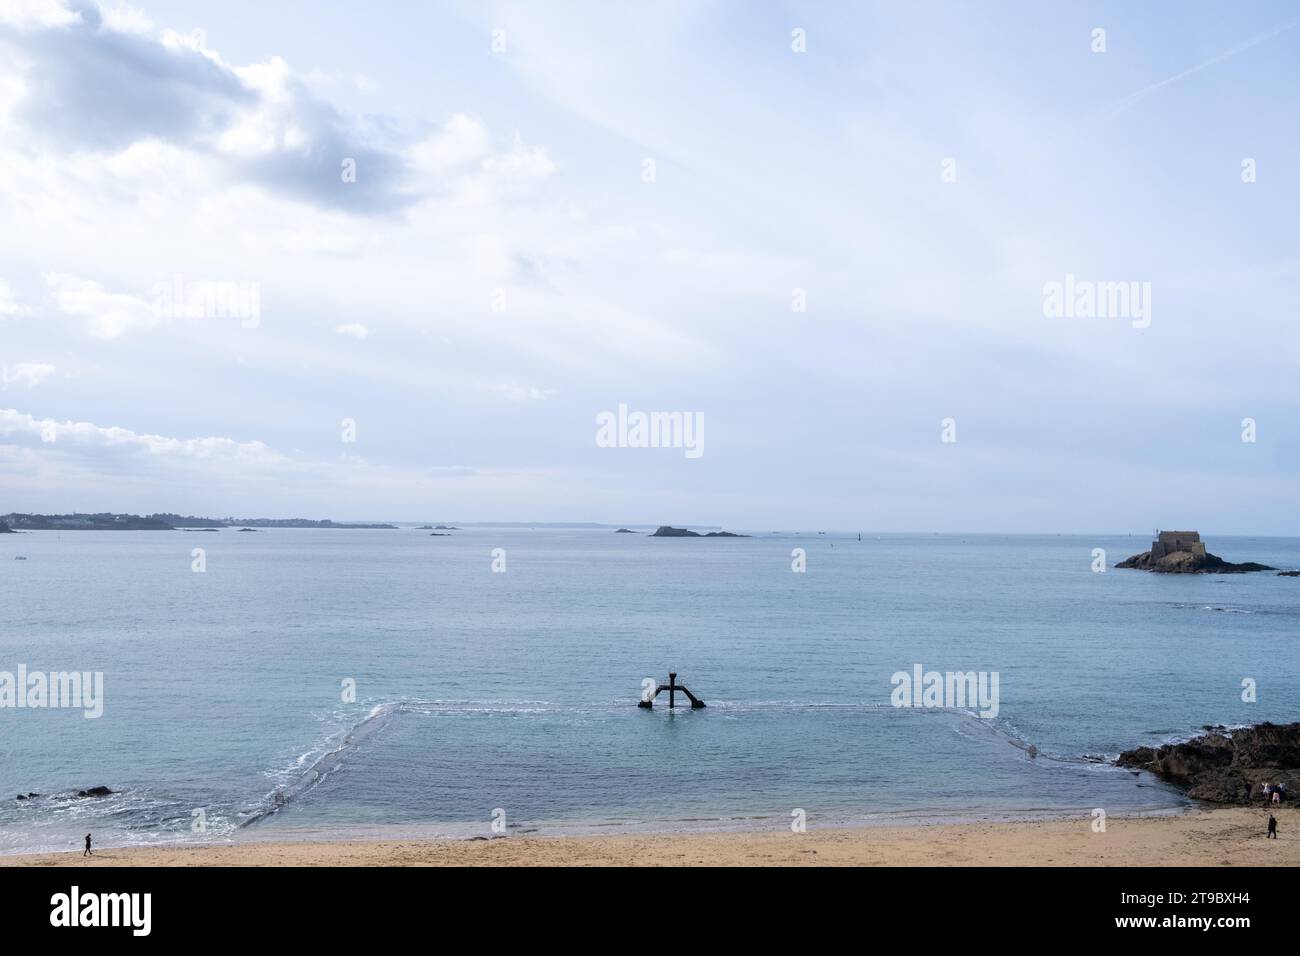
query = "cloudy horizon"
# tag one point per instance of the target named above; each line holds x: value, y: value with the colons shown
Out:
x: 910, y: 267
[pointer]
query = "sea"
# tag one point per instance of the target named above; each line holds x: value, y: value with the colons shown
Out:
x: 340, y: 683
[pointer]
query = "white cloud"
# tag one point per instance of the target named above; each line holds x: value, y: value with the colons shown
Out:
x: 522, y: 393
x: 27, y: 374
x: 354, y: 329
x: 127, y: 19
x: 107, y: 314
x: 461, y: 142
x: 87, y: 435
x: 35, y: 14
x: 8, y: 304
x: 460, y: 161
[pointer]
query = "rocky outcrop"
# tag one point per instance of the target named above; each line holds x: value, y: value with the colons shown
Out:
x: 668, y: 532
x: 5, y: 529
x: 1224, y: 766
x: 626, y: 531
x: 94, y: 792
x: 1185, y: 562
x: 1183, y: 552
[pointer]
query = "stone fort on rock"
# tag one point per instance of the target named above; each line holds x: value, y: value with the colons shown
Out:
x: 1167, y: 542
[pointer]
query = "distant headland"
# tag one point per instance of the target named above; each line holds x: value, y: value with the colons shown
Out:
x: 158, y: 522
x: 1183, y: 552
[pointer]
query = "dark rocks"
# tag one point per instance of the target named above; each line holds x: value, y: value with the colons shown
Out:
x: 668, y: 532
x: 626, y: 531
x: 5, y: 529
x: 1185, y: 562
x: 94, y: 792
x: 1288, y: 574
x: 1183, y: 552
x: 1226, y: 766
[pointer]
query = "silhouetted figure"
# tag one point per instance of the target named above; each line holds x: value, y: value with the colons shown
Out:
x: 88, y: 851
x: 1272, y: 827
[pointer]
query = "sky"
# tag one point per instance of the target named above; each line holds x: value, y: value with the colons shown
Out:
x: 393, y: 261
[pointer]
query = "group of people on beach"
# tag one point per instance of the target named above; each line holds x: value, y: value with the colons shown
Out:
x: 1273, y: 792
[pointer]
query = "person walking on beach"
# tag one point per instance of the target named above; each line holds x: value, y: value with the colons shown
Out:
x: 1277, y: 794
x: 88, y: 851
x: 1272, y: 827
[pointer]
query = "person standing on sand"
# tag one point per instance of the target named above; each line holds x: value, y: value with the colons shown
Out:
x: 1272, y: 827
x: 1277, y: 794
x: 88, y: 851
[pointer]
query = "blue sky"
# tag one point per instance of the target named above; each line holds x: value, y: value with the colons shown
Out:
x: 500, y: 272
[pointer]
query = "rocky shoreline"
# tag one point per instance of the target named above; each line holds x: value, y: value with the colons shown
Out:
x: 1226, y: 766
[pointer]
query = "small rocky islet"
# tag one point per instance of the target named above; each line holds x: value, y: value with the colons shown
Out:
x: 1183, y: 552
x: 666, y: 531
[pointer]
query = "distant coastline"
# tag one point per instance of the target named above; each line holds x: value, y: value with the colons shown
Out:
x: 162, y: 522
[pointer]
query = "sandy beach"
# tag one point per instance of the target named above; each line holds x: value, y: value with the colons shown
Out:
x: 1224, y: 837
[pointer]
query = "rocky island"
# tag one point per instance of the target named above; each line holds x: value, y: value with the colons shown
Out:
x: 1183, y: 552
x: 665, y: 531
x: 1226, y: 766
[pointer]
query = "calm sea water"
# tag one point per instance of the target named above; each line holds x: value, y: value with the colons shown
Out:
x: 479, y: 691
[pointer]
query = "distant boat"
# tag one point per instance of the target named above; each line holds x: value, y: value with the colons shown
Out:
x: 20, y: 557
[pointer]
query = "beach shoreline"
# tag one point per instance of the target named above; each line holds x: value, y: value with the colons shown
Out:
x: 1233, y: 836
